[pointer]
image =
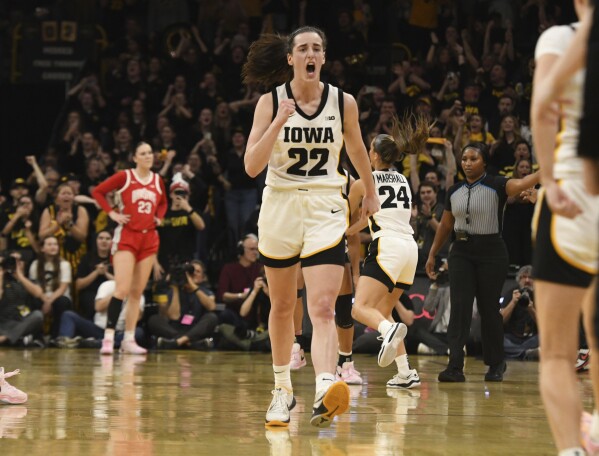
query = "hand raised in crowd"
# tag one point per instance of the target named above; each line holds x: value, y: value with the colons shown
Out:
x: 31, y: 160
x: 186, y: 171
x: 22, y: 212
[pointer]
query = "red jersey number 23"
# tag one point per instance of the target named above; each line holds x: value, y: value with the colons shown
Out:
x: 144, y: 207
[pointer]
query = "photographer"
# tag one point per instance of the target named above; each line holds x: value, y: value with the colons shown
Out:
x: 256, y: 306
x: 187, y: 318
x: 16, y: 299
x: 178, y: 230
x: 521, y: 339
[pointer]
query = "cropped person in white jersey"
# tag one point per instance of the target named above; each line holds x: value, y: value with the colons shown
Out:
x: 299, y: 129
x: 565, y: 222
x: 390, y: 265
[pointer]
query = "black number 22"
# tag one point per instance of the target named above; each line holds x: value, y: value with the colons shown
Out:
x: 402, y: 196
x: 322, y: 155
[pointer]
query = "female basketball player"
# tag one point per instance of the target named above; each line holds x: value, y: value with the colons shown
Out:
x: 299, y: 129
x: 135, y: 243
x: 390, y: 265
x: 565, y: 257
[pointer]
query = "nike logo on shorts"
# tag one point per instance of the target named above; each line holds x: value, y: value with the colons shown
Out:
x: 334, y: 212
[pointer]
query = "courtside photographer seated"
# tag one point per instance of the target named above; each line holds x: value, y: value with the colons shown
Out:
x: 521, y: 338
x: 18, y: 323
x: 186, y: 316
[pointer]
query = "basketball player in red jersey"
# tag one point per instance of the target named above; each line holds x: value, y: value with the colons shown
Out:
x: 142, y: 205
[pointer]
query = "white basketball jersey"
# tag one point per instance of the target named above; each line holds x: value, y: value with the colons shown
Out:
x: 393, y: 219
x: 306, y: 152
x: 556, y: 40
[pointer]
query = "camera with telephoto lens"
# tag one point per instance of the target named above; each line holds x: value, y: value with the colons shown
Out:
x: 526, y: 295
x: 178, y: 273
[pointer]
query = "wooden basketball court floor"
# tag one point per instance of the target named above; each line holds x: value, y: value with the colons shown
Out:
x: 213, y: 403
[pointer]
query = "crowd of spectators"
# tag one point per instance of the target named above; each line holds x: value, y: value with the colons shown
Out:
x: 170, y: 75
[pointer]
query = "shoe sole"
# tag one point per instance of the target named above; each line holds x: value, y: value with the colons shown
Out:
x: 11, y: 402
x: 388, y: 353
x: 412, y: 384
x: 276, y: 423
x: 336, y: 402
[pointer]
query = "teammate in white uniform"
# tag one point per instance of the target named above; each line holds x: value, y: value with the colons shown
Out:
x: 392, y: 257
x: 298, y: 131
x: 566, y: 248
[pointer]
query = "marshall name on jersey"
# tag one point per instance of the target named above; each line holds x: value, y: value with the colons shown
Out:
x: 306, y: 152
x: 393, y: 219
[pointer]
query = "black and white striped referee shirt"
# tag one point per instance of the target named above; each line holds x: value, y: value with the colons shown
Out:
x: 478, y: 207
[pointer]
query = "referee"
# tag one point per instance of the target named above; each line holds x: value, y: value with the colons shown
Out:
x: 478, y: 258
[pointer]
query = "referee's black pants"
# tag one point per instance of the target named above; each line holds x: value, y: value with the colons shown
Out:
x: 477, y: 268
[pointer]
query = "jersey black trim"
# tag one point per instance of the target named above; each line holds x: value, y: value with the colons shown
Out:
x: 341, y: 110
x: 275, y: 104
x: 323, y: 102
x: 373, y: 226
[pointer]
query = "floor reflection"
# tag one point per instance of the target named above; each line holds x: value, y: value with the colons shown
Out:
x: 12, y: 421
x: 214, y: 404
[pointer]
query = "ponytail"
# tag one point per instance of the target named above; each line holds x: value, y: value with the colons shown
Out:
x: 267, y: 62
x: 411, y: 133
